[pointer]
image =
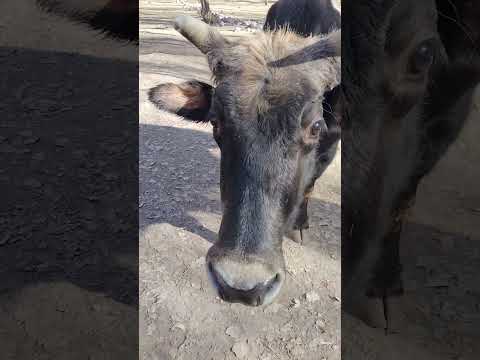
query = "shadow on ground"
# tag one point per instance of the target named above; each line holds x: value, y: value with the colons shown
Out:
x: 438, y: 315
x: 68, y: 209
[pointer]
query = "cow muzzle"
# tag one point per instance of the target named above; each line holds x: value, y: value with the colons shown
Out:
x: 249, y: 280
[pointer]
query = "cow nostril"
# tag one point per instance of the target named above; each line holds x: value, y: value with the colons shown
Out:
x: 235, y: 287
x: 216, y: 280
x: 268, y: 284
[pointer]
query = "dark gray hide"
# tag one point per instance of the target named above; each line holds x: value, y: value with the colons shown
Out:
x: 305, y: 17
x: 407, y: 86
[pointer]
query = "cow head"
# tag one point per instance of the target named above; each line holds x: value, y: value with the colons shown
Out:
x: 267, y: 118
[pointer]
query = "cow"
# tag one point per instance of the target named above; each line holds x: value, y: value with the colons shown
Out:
x: 407, y: 82
x: 305, y: 17
x: 115, y: 18
x: 267, y: 119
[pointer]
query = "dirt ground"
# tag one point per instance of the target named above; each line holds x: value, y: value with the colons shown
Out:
x: 180, y: 316
x: 67, y: 288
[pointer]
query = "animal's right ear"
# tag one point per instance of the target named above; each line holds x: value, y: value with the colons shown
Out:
x: 190, y: 99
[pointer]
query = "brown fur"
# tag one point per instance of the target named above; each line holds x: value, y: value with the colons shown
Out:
x: 172, y: 97
x: 247, y: 61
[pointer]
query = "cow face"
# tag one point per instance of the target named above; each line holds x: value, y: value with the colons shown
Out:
x: 267, y: 119
x: 406, y: 100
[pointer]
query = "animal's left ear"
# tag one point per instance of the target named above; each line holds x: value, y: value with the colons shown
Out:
x: 190, y: 99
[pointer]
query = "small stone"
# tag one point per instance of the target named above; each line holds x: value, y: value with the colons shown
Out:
x: 319, y: 342
x: 4, y: 239
x: 234, y: 331
x: 31, y: 140
x: 178, y: 326
x: 295, y: 302
x: 312, y: 296
x: 320, y: 323
x: 334, y: 298
x: 195, y: 286
x: 240, y: 349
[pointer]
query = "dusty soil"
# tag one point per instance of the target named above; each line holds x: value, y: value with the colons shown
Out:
x: 180, y: 315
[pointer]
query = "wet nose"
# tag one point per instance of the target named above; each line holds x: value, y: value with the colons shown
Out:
x: 249, y: 282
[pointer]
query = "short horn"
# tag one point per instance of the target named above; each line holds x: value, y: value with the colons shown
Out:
x: 198, y: 33
x: 328, y: 46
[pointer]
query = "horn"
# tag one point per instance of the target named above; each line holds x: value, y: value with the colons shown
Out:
x: 328, y: 46
x: 198, y: 33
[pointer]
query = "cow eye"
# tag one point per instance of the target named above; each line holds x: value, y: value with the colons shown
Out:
x: 423, y: 57
x: 316, y: 128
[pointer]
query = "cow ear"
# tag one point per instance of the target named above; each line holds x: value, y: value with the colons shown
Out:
x: 190, y: 99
